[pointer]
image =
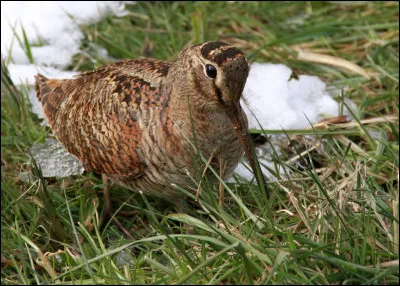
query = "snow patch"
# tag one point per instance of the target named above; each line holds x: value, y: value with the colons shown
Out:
x: 54, y: 24
x: 279, y: 102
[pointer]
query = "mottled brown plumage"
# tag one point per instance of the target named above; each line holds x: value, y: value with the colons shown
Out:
x: 132, y: 120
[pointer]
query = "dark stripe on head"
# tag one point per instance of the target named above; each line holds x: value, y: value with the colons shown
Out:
x: 222, y: 57
x: 213, y: 52
x: 207, y: 48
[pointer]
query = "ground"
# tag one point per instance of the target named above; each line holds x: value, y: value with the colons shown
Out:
x: 332, y: 220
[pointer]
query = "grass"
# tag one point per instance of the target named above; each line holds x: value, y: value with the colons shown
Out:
x: 332, y: 218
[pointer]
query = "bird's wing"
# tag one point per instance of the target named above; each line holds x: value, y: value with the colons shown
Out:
x: 96, y: 115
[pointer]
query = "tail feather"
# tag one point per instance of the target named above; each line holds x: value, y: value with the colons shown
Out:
x: 50, y: 94
x: 40, y: 82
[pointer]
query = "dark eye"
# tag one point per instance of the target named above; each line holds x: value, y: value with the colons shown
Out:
x: 211, y: 71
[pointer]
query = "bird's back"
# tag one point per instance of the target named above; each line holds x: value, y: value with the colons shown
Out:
x: 96, y: 115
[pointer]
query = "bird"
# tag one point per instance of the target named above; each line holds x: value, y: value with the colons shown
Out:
x: 136, y: 121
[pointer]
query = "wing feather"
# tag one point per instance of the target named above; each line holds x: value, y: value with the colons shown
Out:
x: 96, y: 115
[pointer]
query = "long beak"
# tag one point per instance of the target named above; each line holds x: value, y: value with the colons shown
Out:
x: 235, y: 115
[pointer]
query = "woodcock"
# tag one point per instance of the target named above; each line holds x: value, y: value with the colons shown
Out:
x: 135, y: 120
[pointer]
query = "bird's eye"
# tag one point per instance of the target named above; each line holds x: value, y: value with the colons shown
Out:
x: 211, y: 71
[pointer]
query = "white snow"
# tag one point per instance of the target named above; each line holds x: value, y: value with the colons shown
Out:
x: 279, y: 103
x: 276, y: 101
x: 24, y: 74
x: 55, y: 23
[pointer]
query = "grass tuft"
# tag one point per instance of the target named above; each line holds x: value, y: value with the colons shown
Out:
x: 332, y: 217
